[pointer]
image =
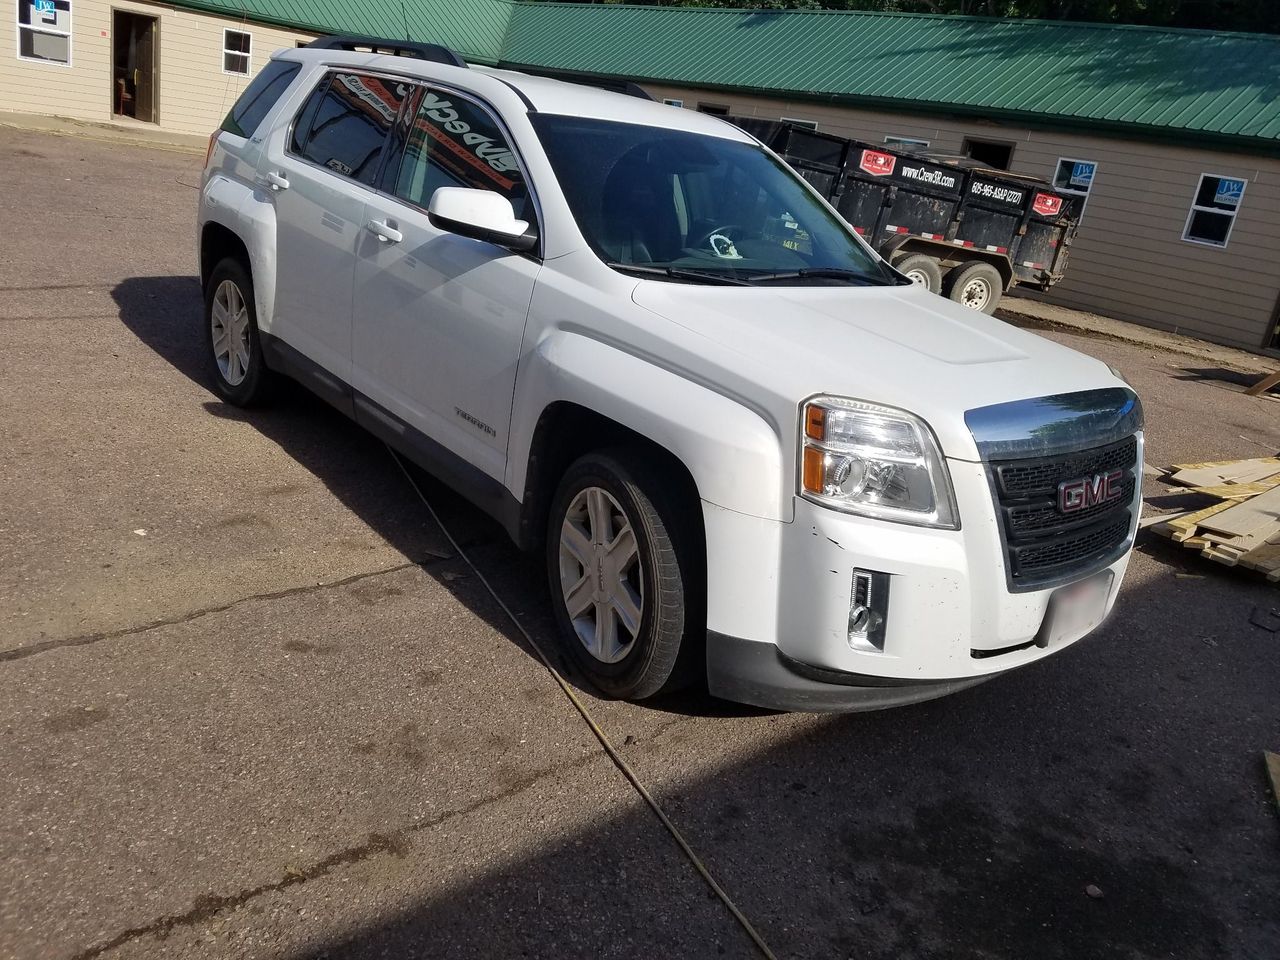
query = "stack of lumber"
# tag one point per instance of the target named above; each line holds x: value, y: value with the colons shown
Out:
x: 1241, y: 526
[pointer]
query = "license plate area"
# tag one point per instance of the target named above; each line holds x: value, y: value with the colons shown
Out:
x: 1075, y: 609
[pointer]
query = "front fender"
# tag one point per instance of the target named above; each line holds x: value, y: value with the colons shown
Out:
x: 732, y: 452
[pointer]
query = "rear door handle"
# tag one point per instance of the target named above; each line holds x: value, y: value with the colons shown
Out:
x: 385, y: 233
x: 276, y: 181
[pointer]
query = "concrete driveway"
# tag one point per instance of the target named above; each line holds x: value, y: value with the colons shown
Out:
x: 253, y: 707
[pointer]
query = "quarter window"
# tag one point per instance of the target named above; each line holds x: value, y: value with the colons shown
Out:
x: 1075, y: 177
x: 456, y: 143
x: 259, y: 97
x: 237, y: 50
x: 44, y: 31
x: 1213, y: 210
x: 344, y: 123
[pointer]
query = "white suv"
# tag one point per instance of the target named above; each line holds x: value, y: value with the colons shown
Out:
x: 750, y: 449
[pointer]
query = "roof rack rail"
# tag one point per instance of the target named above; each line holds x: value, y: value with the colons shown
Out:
x: 396, y: 48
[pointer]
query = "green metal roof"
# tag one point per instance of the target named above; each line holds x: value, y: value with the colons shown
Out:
x: 474, y: 28
x: 1189, y: 84
x: 1225, y: 84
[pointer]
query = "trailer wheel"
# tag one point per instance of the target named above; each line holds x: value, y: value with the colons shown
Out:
x: 922, y: 270
x: 975, y: 285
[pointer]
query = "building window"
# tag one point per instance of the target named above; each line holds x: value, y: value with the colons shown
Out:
x: 237, y: 48
x: 674, y: 103
x: 715, y: 109
x: 44, y: 31
x: 994, y: 154
x: 1075, y: 177
x: 1213, y: 210
x: 906, y: 143
x: 811, y: 124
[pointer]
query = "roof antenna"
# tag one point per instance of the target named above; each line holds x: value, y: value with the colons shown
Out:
x: 404, y: 15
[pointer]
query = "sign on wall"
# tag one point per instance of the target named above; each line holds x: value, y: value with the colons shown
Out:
x: 1229, y: 192
x: 1082, y: 175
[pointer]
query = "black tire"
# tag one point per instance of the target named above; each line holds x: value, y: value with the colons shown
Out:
x: 922, y: 269
x: 664, y: 654
x: 975, y: 285
x: 253, y: 387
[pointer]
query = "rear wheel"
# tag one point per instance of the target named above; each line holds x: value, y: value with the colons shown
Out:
x: 231, y: 335
x: 922, y: 270
x: 623, y: 577
x: 975, y: 285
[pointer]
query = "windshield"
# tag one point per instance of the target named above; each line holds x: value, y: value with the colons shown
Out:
x: 685, y: 206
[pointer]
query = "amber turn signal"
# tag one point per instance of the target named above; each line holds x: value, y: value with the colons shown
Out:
x: 815, y: 422
x: 812, y: 473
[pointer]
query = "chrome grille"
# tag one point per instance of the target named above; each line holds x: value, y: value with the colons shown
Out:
x: 1044, y: 545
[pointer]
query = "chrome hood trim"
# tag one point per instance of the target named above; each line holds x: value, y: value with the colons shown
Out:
x: 1062, y: 423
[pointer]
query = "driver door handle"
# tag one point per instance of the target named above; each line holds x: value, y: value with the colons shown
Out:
x: 383, y: 232
x: 276, y: 181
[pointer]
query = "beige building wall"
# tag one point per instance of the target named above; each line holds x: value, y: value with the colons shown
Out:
x: 194, y: 93
x: 1129, y: 260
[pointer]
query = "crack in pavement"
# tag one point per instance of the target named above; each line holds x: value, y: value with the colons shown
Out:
x: 31, y: 650
x: 206, y: 906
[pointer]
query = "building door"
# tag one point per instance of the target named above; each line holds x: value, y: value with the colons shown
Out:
x: 134, y: 44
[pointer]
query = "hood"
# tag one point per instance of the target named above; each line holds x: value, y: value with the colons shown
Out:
x: 898, y: 346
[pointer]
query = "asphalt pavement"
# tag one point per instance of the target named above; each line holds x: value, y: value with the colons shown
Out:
x: 255, y: 706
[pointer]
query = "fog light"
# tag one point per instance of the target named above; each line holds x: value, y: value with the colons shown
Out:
x: 868, y: 609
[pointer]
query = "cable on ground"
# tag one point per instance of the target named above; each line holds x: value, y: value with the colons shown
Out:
x: 581, y: 707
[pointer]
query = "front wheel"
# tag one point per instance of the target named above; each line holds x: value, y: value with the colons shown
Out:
x: 975, y: 285
x: 623, y: 575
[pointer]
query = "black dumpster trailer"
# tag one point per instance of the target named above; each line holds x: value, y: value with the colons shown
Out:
x: 963, y: 230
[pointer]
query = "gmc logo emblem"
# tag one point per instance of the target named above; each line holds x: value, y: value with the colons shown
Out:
x: 1077, y: 495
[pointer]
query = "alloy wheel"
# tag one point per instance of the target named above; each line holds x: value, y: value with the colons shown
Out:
x: 600, y: 574
x: 230, y: 323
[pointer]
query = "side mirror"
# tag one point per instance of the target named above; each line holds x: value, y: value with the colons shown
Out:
x: 480, y: 215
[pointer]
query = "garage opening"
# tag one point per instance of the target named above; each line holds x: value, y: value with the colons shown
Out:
x: 134, y: 42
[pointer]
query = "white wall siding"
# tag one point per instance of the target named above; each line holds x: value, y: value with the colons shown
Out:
x: 1129, y: 260
x: 193, y: 92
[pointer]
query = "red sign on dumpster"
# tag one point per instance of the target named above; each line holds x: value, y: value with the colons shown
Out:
x: 876, y: 163
x: 1047, y: 205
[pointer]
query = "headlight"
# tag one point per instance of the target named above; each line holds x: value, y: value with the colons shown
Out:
x: 875, y: 461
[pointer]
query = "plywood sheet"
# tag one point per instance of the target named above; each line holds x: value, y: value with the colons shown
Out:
x: 1249, y: 517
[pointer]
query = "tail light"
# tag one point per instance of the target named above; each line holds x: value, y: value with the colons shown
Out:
x: 208, y: 154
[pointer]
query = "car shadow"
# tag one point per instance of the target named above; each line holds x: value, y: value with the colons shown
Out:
x: 1065, y: 811
x: 165, y: 313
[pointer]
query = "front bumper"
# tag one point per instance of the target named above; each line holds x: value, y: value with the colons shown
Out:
x: 762, y: 675
x: 778, y: 607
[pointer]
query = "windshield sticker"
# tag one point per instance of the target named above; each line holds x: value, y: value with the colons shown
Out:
x: 723, y: 247
x: 876, y: 163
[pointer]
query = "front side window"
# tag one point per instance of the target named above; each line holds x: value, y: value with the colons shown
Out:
x: 237, y: 51
x: 259, y: 97
x: 344, y: 123
x: 1213, y: 210
x: 454, y: 142
x: 1075, y: 177
x: 688, y: 205
x: 44, y: 31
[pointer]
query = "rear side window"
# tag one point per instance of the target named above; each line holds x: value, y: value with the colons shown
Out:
x: 344, y: 123
x: 259, y: 97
